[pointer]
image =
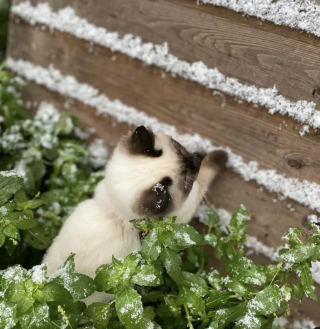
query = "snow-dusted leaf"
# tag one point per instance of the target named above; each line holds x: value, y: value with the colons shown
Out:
x: 185, y: 236
x: 215, y: 279
x: 129, y: 307
x: 195, y: 283
x: 297, y: 254
x: 10, y: 183
x: 292, y: 236
x: 22, y: 220
x: 237, y: 287
x: 151, y: 246
x: 238, y: 223
x: 246, y: 271
x: 37, y: 317
x: 38, y: 237
x: 54, y: 292
x: 147, y: 275
x: 99, y: 314
x: 212, y: 219
x: 192, y: 300
x: 267, y: 301
x: 171, y: 261
x: 227, y: 315
x: 307, y: 281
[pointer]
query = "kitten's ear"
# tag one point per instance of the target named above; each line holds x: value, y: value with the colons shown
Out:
x: 142, y: 142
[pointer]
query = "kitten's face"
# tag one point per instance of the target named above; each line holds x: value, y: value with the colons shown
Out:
x: 150, y: 174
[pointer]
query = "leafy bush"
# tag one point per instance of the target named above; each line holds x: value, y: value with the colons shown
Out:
x: 46, y: 171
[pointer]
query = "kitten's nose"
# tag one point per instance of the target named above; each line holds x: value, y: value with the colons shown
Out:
x: 194, y: 163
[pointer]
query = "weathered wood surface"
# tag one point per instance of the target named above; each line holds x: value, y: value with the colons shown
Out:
x: 268, y: 220
x: 249, y: 131
x: 254, y: 51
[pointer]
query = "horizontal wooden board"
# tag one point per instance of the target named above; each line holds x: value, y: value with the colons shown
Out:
x: 269, y: 220
x: 254, y: 51
x: 248, y: 130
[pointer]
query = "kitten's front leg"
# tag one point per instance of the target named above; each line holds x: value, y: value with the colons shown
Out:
x: 212, y: 164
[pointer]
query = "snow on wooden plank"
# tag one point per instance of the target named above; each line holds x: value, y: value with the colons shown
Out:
x: 263, y: 55
x: 250, y: 132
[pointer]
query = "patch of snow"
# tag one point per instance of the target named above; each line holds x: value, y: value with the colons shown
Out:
x: 298, y: 14
x: 99, y: 153
x: 66, y: 20
x: 304, y: 192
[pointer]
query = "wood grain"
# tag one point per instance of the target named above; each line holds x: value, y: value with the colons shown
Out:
x: 254, y: 51
x: 249, y: 131
x: 268, y: 221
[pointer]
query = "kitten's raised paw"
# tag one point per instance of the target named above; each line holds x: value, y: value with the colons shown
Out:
x: 217, y: 158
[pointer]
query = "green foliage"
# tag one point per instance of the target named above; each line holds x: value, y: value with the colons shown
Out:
x: 45, y: 172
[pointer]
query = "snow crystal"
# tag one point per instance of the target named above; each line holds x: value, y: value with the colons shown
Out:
x: 99, y: 153
x: 66, y: 20
x: 304, y: 192
x: 301, y: 14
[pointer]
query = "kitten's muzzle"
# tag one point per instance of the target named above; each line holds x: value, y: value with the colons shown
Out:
x: 194, y: 163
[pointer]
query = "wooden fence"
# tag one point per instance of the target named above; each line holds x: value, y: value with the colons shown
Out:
x: 255, y: 52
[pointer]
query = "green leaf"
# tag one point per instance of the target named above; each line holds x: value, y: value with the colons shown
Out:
x: 151, y: 246
x: 16, y: 292
x: 2, y: 238
x: 297, y: 254
x: 37, y: 317
x: 22, y: 220
x: 38, y: 237
x: 237, y: 287
x: 195, y: 283
x: 147, y: 275
x: 198, y: 256
x: 298, y: 292
x: 246, y: 271
x: 266, y: 301
x: 185, y: 236
x: 99, y: 314
x: 217, y: 299
x: 148, y: 313
x: 54, y: 292
x: 10, y: 183
x: 79, y: 285
x: 129, y: 307
x: 238, y: 223
x: 172, y: 263
x: 193, y: 301
x: 11, y: 231
x: 307, y: 281
x: 215, y: 279
x: 212, y: 219
x: 225, y: 316
x: 24, y: 305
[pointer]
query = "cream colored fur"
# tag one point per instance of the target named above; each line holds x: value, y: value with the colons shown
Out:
x: 100, y: 227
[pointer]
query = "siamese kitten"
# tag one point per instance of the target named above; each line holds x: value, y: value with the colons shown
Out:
x: 148, y: 175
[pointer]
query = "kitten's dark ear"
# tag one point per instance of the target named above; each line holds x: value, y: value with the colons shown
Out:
x: 142, y: 143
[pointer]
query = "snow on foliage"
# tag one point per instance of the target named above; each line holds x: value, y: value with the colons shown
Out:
x: 299, y: 14
x: 304, y: 192
x: 66, y: 20
x: 251, y: 243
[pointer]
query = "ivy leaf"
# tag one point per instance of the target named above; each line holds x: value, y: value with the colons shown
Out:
x: 298, y: 292
x: 147, y: 275
x: 54, y: 292
x: 99, y: 314
x: 10, y: 183
x: 22, y: 220
x: 267, y: 301
x: 37, y: 317
x: 307, y: 281
x: 238, y: 223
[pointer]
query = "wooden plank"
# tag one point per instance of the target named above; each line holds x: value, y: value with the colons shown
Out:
x: 249, y: 131
x: 228, y: 191
x: 246, y: 48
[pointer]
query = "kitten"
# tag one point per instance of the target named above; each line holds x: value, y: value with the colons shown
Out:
x: 148, y: 175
